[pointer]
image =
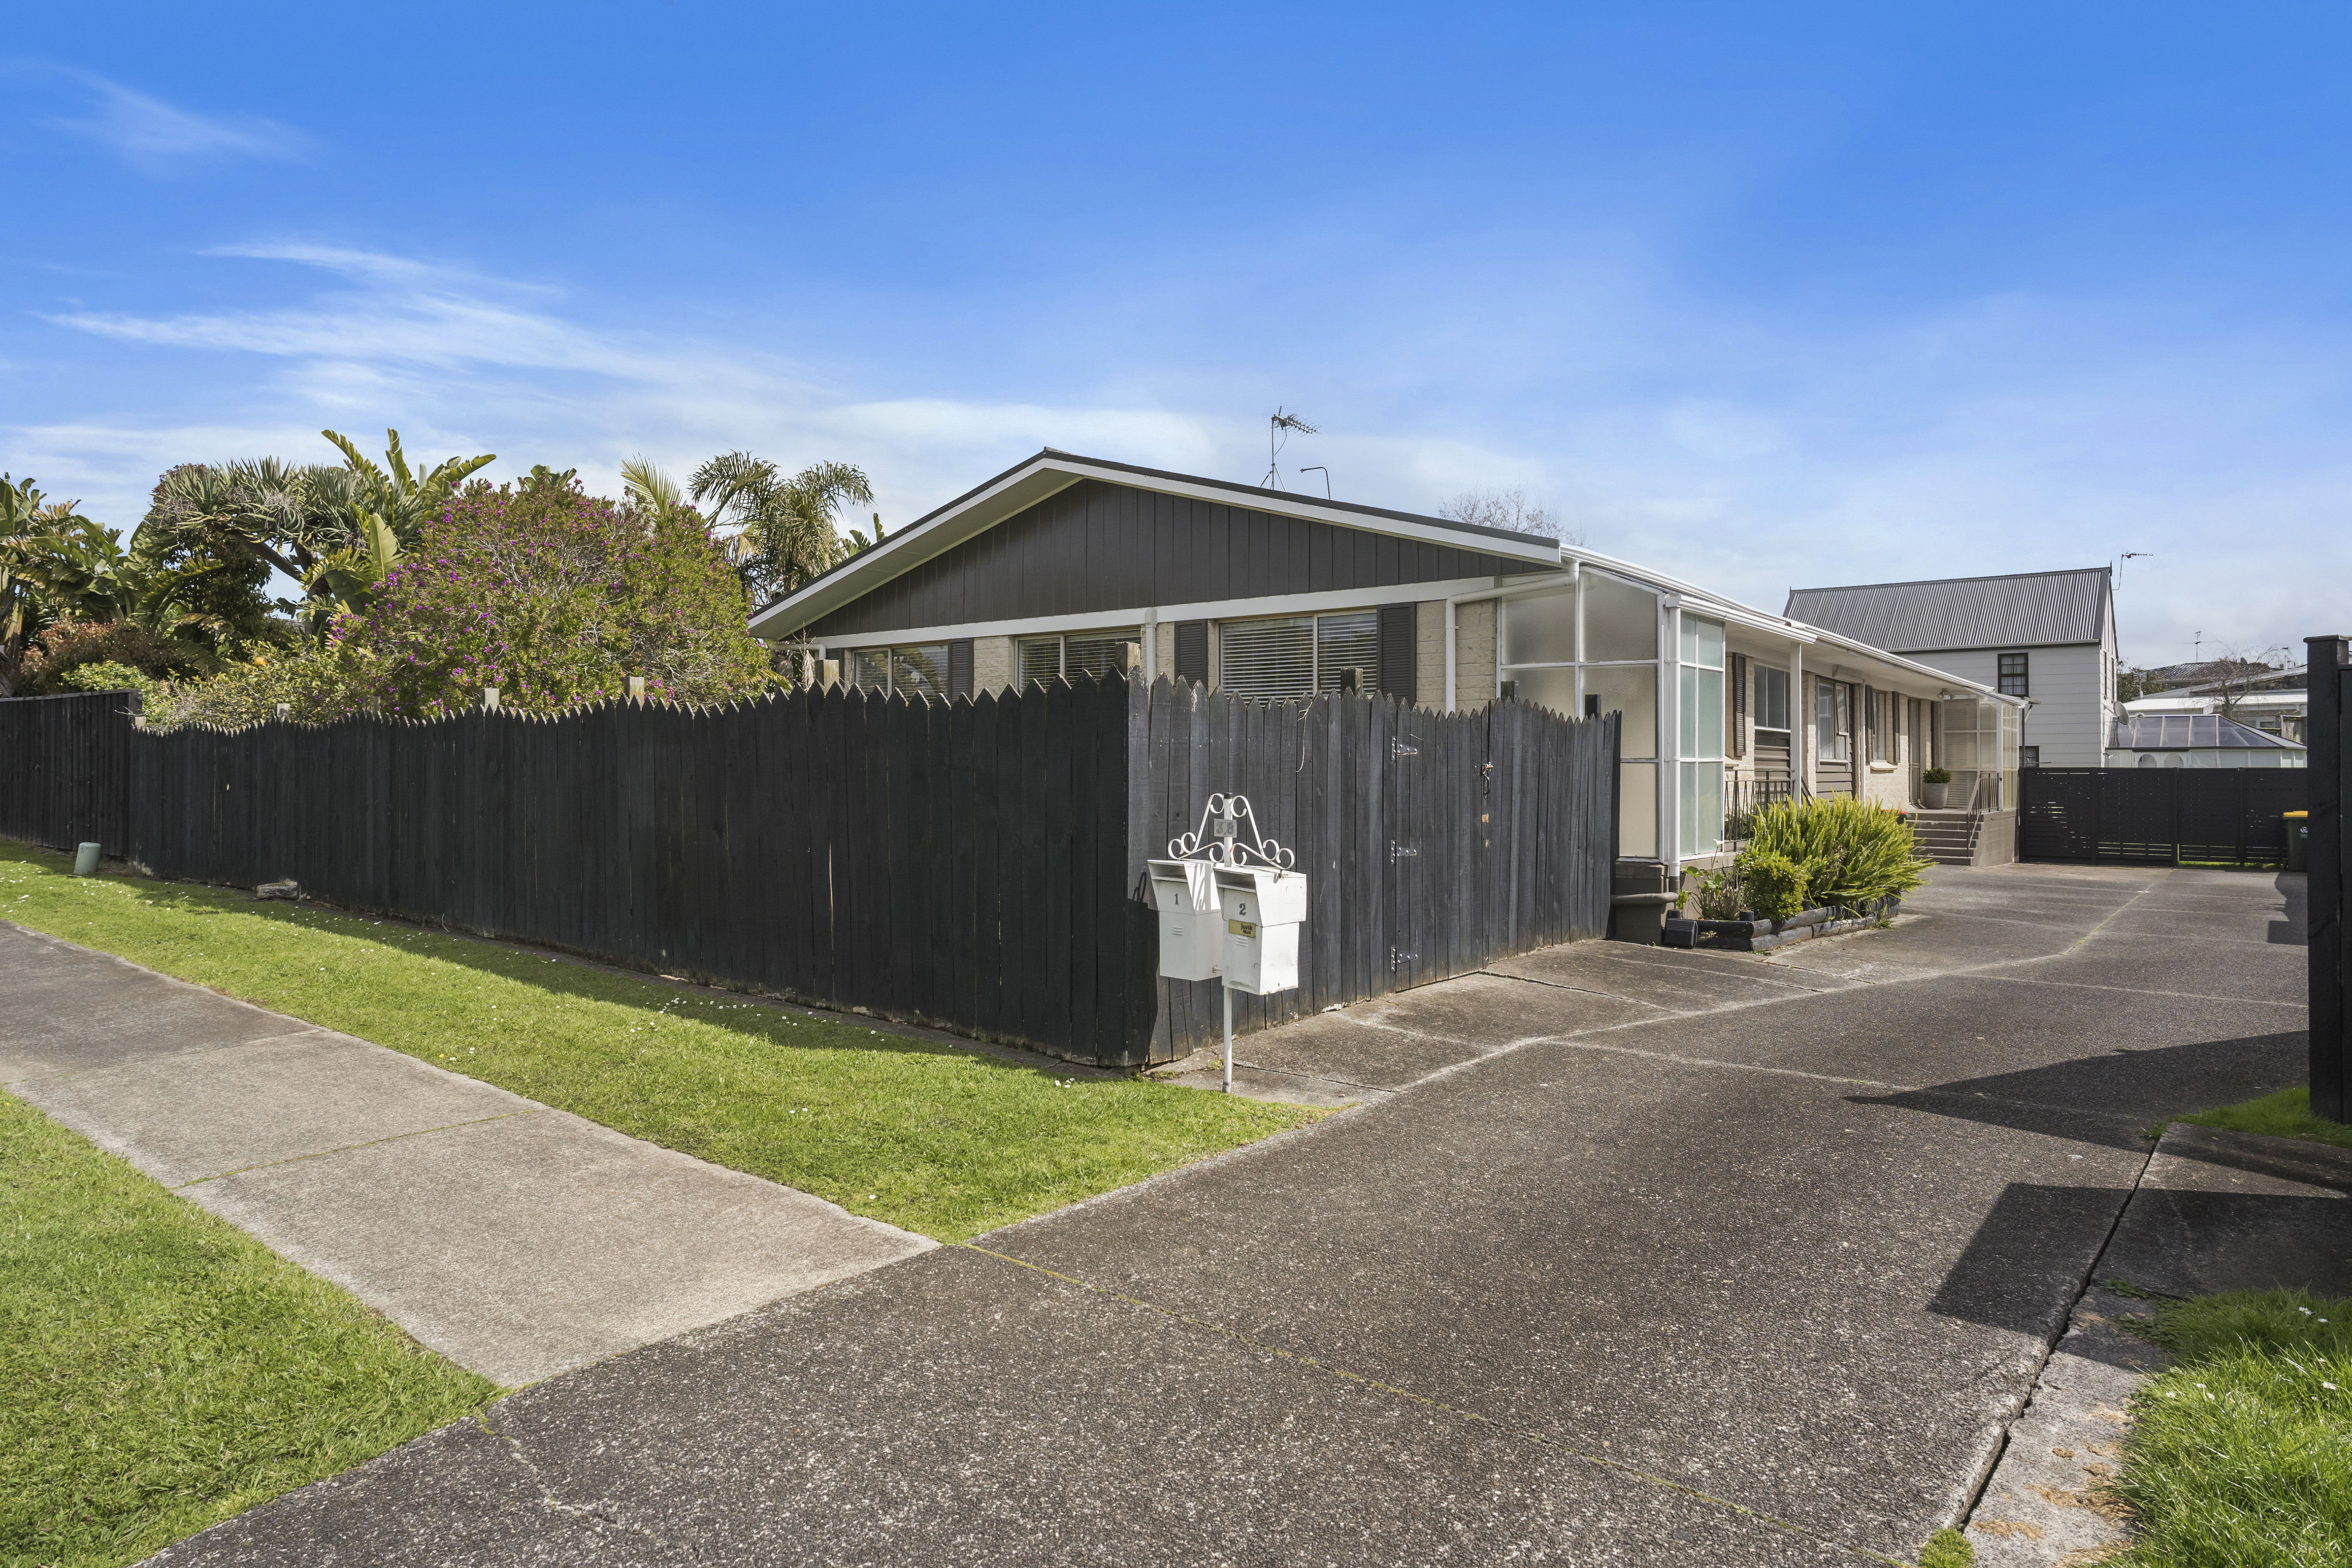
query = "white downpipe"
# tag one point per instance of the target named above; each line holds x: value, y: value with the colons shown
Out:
x: 1800, y: 723
x: 1450, y: 676
x: 1150, y: 645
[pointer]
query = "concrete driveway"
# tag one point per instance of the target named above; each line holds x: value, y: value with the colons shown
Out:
x: 1626, y: 1257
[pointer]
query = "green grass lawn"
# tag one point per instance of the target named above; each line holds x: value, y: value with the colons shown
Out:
x: 160, y: 1371
x: 2240, y: 1456
x: 940, y: 1139
x: 2286, y: 1114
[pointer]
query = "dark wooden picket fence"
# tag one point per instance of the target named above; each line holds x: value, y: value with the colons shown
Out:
x: 2159, y: 815
x: 64, y: 768
x: 976, y: 865
x: 1432, y: 843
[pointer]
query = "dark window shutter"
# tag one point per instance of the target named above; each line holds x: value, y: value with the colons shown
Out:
x: 960, y: 667
x: 1192, y: 652
x: 1739, y: 740
x: 1399, y: 625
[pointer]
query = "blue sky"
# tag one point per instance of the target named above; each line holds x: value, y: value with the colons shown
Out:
x: 1762, y: 295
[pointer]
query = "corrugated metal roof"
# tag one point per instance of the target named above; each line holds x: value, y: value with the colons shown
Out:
x: 2027, y: 610
x: 2191, y: 732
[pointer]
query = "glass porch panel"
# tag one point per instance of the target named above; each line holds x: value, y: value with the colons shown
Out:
x: 1701, y: 713
x: 1037, y: 659
x: 1541, y: 630
x: 1266, y: 659
x: 1637, y: 809
x: 1552, y: 689
x: 1097, y: 653
x: 1702, y: 809
x: 920, y: 670
x: 870, y: 668
x: 1630, y: 690
x: 1620, y: 621
x: 1344, y: 642
x: 1702, y: 642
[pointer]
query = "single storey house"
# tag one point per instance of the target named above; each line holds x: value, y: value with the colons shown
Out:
x: 2277, y: 704
x: 2046, y: 636
x: 1065, y: 565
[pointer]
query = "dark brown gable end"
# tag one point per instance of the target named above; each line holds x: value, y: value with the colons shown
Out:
x: 1102, y: 546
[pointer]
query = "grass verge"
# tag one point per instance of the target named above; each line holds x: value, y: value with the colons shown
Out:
x: 160, y: 1371
x: 2286, y: 1114
x: 2240, y: 1455
x: 939, y: 1140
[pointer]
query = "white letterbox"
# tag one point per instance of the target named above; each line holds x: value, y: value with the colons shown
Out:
x: 1262, y: 910
x: 1191, y: 933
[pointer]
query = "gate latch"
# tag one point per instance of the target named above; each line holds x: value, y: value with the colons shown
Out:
x: 1401, y: 852
x: 1399, y: 749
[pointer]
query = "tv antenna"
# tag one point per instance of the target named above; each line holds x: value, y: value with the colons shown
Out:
x: 1277, y: 437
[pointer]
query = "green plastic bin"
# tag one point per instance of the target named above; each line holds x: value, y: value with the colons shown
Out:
x: 2298, y: 839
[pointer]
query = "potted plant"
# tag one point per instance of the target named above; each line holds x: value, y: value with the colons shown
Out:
x: 1934, y: 788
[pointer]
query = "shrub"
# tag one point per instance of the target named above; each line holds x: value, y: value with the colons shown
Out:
x: 68, y: 646
x: 1776, y: 886
x: 554, y: 597
x: 1937, y: 775
x: 1852, y: 851
x: 104, y: 676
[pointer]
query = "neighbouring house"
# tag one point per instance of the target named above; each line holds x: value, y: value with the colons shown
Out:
x: 2046, y: 636
x: 2197, y: 740
x: 2276, y: 703
x: 1065, y: 565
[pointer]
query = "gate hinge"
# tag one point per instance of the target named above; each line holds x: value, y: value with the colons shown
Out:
x: 1402, y: 851
x: 1399, y: 749
x: 1398, y: 959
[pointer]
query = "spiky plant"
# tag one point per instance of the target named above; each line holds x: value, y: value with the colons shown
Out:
x: 1853, y: 851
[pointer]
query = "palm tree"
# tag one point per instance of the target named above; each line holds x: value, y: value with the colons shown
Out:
x: 780, y: 533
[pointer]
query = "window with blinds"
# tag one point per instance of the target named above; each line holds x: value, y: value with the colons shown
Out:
x: 1344, y: 643
x: 920, y: 670
x: 1040, y: 659
x: 1266, y: 659
x: 1081, y: 653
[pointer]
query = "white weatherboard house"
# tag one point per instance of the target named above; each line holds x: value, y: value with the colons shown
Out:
x: 1065, y: 565
x: 2047, y: 637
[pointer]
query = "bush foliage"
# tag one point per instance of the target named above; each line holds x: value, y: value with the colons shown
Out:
x: 554, y: 597
x: 1847, y: 851
x: 1773, y: 885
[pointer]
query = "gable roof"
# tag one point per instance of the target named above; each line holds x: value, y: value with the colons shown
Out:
x: 2024, y: 610
x: 2191, y: 732
x: 1035, y: 478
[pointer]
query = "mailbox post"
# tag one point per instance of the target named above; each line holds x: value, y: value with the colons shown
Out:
x: 1229, y: 909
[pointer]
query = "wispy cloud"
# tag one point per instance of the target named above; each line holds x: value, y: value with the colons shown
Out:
x: 158, y: 138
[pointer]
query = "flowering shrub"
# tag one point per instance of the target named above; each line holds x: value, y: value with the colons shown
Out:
x: 554, y: 597
x: 68, y: 645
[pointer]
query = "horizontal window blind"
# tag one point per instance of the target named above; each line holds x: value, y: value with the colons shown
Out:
x: 1266, y: 659
x: 1041, y: 659
x: 920, y: 670
x: 1344, y: 642
x: 1097, y: 653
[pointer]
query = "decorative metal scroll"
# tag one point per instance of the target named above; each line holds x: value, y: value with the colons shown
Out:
x: 1218, y: 839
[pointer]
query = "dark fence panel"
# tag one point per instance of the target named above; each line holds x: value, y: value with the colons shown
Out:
x: 1433, y: 843
x: 2159, y: 815
x: 65, y: 768
x: 972, y: 865
x: 826, y: 847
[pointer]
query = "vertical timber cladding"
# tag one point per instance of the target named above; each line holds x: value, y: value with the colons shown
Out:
x: 1433, y: 843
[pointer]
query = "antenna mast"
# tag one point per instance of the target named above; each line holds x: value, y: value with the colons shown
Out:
x: 1276, y: 437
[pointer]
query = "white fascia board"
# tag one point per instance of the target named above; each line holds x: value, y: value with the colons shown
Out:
x: 1135, y: 615
x: 1924, y: 675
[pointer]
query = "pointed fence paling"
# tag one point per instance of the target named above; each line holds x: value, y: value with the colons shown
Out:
x: 974, y: 864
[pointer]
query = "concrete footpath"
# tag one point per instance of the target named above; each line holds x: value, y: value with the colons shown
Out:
x: 515, y: 1239
x: 1624, y: 1257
